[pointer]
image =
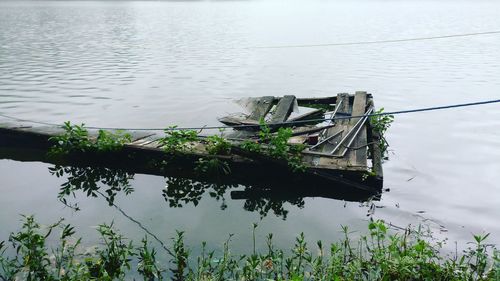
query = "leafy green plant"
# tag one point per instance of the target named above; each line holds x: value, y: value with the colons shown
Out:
x: 148, y: 267
x: 381, y: 254
x: 217, y: 145
x: 113, y: 260
x: 277, y: 146
x: 380, y: 123
x: 176, y: 141
x: 109, y: 141
x: 180, y: 257
x: 251, y: 146
x: 76, y: 139
x: 34, y: 261
x: 30, y: 244
x: 212, y: 167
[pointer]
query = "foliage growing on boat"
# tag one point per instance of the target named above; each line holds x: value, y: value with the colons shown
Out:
x: 214, y: 167
x: 276, y: 145
x: 176, y: 140
x: 76, y: 138
x: 380, y: 255
x: 217, y: 145
x: 380, y: 124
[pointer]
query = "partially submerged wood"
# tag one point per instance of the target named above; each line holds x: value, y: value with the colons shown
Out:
x: 344, y: 143
x: 325, y: 171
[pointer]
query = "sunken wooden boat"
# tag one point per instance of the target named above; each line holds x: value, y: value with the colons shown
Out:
x: 341, y: 159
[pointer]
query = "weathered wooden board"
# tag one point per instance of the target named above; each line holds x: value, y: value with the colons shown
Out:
x: 341, y: 128
x: 283, y: 109
x: 145, y: 140
x: 358, y: 149
x: 261, y: 107
x: 317, y: 100
x: 237, y: 121
x: 307, y: 115
x: 375, y: 151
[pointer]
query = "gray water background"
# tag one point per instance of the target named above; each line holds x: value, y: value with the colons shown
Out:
x: 153, y: 64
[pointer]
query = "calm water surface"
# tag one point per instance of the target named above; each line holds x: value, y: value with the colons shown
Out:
x: 153, y: 64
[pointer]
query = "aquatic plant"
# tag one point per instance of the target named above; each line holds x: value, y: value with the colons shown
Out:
x: 380, y: 123
x: 380, y: 255
x: 76, y: 138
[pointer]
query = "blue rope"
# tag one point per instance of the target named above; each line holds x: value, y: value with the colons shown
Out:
x: 434, y: 108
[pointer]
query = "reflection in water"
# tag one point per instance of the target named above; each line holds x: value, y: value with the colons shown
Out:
x: 178, y: 192
x: 181, y: 191
x: 89, y: 180
x: 264, y: 205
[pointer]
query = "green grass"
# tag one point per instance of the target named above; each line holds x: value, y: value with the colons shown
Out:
x: 380, y: 255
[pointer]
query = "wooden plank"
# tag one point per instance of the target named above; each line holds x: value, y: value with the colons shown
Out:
x: 283, y: 109
x: 318, y: 100
x: 236, y: 121
x: 261, y: 107
x: 139, y: 138
x: 375, y: 150
x: 153, y: 144
x: 308, y: 115
x: 145, y: 140
x: 342, y: 124
x: 358, y: 150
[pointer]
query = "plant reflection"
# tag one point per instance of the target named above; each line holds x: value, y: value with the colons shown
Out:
x: 178, y: 192
x: 181, y: 191
x: 264, y: 205
x: 89, y: 180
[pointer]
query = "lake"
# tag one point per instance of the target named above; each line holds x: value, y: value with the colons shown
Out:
x: 159, y: 63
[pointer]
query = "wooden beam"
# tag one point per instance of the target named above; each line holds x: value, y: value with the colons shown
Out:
x: 375, y: 150
x: 358, y: 149
x: 309, y: 115
x: 261, y: 107
x: 318, y: 100
x: 283, y: 109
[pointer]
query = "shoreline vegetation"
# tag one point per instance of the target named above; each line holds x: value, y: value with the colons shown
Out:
x: 412, y: 254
